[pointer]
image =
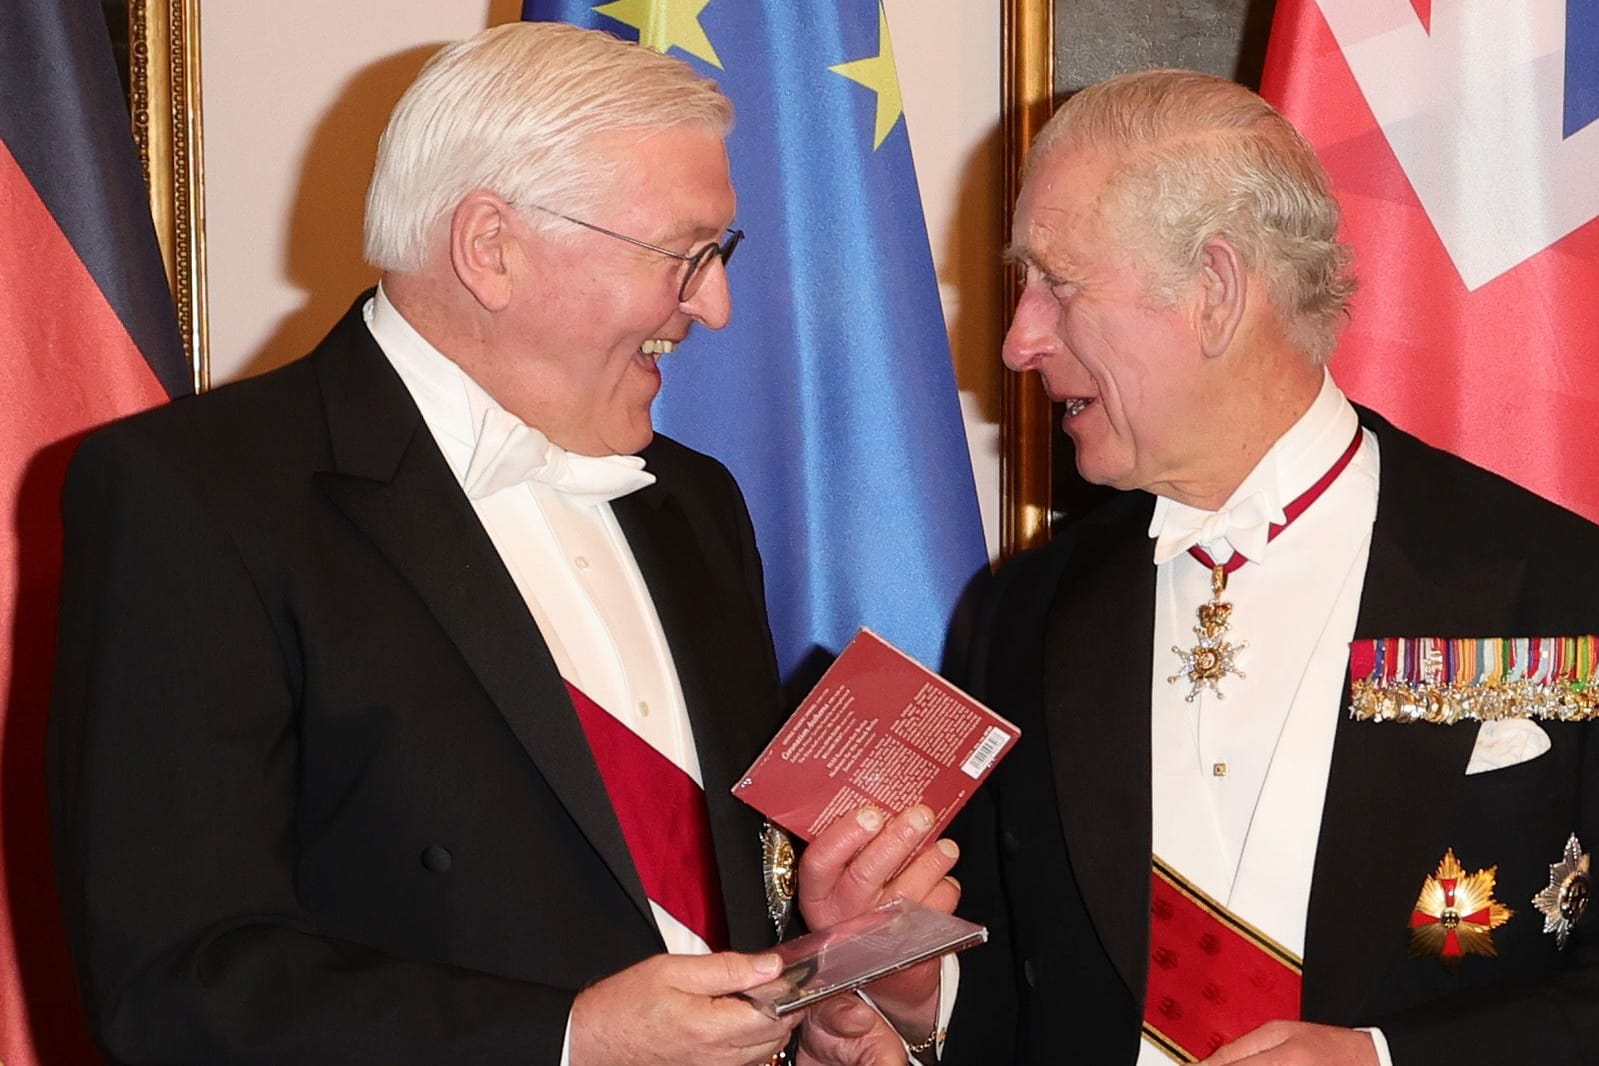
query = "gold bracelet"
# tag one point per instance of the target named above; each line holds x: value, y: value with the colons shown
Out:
x: 926, y: 1045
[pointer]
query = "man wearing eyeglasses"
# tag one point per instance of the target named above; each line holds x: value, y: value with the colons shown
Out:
x: 401, y: 690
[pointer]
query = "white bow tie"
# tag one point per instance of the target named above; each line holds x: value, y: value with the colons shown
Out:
x: 1245, y: 526
x: 508, y: 453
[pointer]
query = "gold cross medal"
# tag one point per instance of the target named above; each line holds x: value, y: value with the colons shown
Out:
x: 1563, y: 902
x: 1456, y: 913
x: 1211, y: 659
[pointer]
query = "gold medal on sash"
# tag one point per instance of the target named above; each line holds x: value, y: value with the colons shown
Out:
x: 778, y: 874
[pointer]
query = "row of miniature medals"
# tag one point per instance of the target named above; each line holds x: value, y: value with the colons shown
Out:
x: 1456, y: 913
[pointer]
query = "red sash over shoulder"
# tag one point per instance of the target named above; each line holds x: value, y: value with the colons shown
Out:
x: 662, y: 813
x: 1212, y: 977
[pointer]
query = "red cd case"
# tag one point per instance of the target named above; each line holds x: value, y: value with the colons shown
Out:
x: 879, y: 728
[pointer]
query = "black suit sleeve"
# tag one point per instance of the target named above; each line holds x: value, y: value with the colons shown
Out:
x: 174, y: 766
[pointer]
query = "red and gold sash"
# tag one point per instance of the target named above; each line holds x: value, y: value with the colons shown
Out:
x: 1212, y: 976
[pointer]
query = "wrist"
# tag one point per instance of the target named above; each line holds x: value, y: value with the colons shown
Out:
x: 916, y: 1024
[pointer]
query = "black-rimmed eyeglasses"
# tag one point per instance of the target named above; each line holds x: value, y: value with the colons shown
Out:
x: 698, y: 261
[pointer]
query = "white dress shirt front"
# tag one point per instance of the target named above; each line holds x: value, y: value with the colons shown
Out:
x: 1239, y: 778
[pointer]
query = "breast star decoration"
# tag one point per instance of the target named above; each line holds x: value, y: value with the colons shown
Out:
x: 777, y: 872
x: 1456, y: 913
x: 1563, y: 902
x: 1207, y: 662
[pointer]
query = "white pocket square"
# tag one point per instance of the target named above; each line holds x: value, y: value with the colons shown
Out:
x: 1506, y: 742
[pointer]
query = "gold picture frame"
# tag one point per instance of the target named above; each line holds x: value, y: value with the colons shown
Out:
x: 163, y: 81
x: 1025, y: 462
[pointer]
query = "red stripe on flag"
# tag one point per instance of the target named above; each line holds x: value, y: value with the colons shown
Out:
x: 1424, y: 13
x: 1506, y: 376
x: 66, y: 365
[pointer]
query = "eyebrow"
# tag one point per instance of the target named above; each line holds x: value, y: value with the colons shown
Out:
x: 1017, y: 255
x: 1014, y: 254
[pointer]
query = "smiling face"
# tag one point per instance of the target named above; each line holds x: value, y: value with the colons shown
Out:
x: 1140, y: 396
x: 576, y: 349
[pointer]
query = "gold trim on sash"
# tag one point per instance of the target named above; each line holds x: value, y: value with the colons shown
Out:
x: 1228, y: 918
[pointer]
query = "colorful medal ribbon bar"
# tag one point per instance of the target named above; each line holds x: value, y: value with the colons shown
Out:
x: 1441, y: 680
x: 1212, y: 976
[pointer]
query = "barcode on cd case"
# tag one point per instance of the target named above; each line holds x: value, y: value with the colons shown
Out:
x: 993, y: 742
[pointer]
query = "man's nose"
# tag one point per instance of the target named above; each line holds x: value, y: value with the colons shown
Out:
x: 1033, y: 329
x: 711, y: 305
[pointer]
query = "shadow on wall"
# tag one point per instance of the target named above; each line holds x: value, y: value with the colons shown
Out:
x: 324, y: 239
x: 974, y: 268
x: 502, y: 11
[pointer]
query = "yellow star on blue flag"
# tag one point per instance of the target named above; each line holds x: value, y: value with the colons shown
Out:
x: 666, y: 24
x: 878, y: 74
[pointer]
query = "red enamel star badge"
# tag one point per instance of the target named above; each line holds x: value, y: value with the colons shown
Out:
x: 1456, y: 913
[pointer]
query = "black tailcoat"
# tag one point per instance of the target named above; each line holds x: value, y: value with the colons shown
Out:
x: 1057, y: 851
x: 319, y: 793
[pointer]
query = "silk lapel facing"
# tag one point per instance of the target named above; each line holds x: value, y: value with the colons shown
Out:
x: 392, y: 483
x: 722, y: 654
x: 1097, y: 670
x: 1392, y: 787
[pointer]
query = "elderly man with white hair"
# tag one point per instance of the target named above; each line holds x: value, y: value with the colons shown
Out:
x: 1308, y: 769
x: 401, y: 689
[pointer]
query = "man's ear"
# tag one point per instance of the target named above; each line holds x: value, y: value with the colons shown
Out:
x: 1224, y: 289
x: 483, y: 245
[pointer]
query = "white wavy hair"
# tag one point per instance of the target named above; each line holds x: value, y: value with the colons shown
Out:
x: 1202, y: 157
x: 513, y: 109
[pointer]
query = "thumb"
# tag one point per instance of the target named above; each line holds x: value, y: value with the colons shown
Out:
x: 724, y: 973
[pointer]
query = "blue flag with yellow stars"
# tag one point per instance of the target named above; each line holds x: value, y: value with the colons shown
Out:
x: 831, y: 396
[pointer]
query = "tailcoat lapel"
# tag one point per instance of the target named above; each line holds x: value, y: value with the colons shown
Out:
x: 1098, y: 664
x: 1392, y: 786
x: 389, y: 478
x: 701, y: 608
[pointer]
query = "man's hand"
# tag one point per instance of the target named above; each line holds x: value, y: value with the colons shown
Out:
x: 1298, y: 1044
x: 861, y: 861
x: 855, y: 864
x: 676, y: 1010
x: 843, y: 1031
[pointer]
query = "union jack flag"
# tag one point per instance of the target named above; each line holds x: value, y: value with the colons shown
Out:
x: 1463, y: 140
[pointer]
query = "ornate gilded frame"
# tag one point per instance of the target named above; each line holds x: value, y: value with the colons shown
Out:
x: 164, y: 101
x: 1025, y: 474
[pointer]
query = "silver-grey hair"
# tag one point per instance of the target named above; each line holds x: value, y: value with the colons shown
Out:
x: 513, y: 109
x: 1200, y: 158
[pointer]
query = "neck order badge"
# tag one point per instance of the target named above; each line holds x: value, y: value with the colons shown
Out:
x: 1211, y: 659
x: 831, y: 396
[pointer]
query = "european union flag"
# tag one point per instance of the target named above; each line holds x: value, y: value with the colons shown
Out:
x: 831, y: 396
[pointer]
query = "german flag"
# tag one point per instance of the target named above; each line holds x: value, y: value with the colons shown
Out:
x: 87, y: 333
